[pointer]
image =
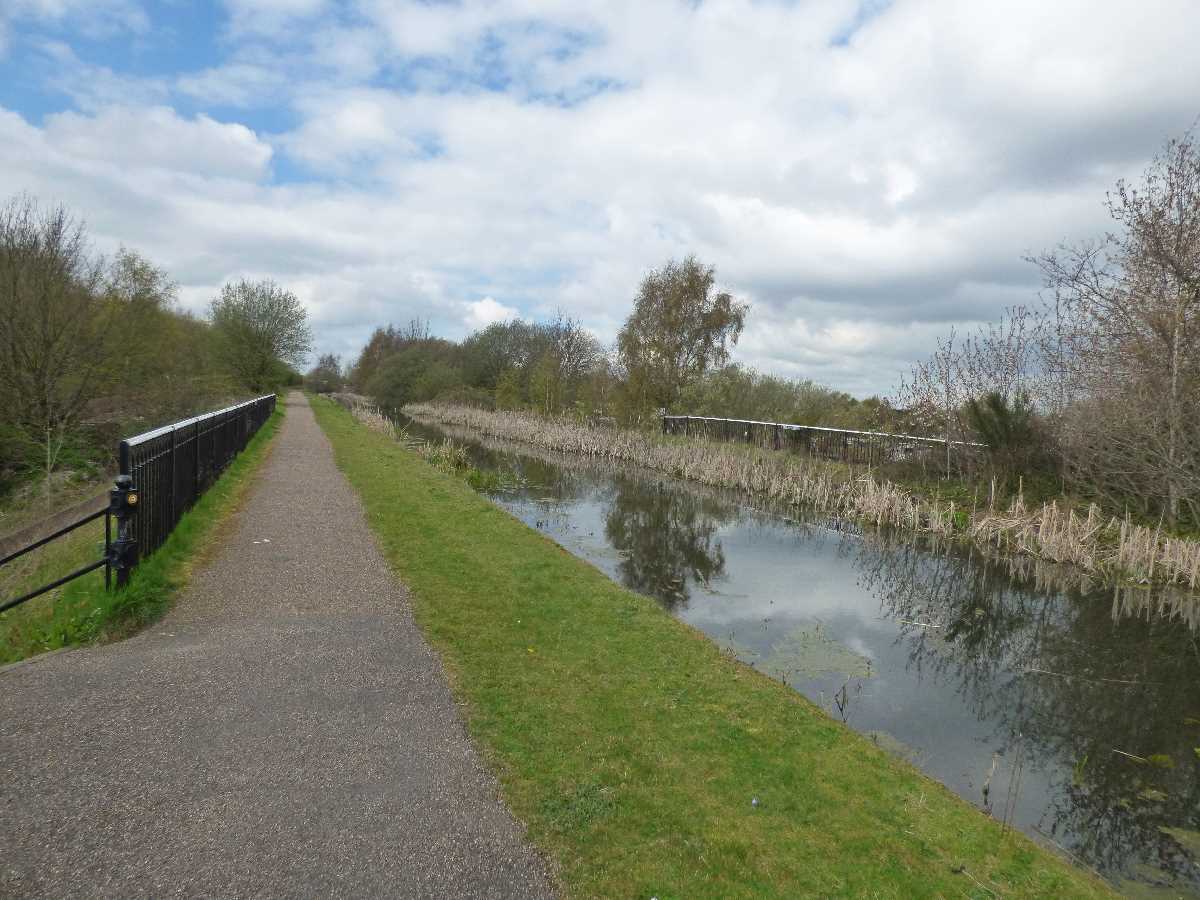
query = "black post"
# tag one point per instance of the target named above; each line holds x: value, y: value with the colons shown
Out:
x: 174, y: 481
x: 122, y: 504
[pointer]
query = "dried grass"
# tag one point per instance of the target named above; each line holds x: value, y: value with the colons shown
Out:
x: 1106, y: 548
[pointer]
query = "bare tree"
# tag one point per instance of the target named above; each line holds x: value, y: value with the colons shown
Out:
x: 1001, y: 364
x: 53, y: 317
x: 1130, y: 349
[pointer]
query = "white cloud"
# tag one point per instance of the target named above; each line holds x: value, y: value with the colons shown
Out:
x: 544, y: 153
x: 94, y: 18
x: 487, y: 311
x: 270, y: 16
x: 236, y: 84
x: 157, y: 138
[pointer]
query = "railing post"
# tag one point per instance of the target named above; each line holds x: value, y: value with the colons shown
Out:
x: 122, y: 504
x: 195, y: 460
x: 174, y: 482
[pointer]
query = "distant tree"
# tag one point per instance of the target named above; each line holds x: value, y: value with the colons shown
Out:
x: 263, y: 330
x: 545, y: 385
x: 419, y: 370
x: 501, y: 347
x: 326, y: 376
x: 680, y: 327
x: 508, y: 390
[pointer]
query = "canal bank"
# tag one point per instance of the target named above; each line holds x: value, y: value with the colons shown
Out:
x: 1066, y: 710
x: 643, y: 758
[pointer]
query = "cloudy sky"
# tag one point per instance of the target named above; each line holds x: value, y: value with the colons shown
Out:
x: 866, y: 173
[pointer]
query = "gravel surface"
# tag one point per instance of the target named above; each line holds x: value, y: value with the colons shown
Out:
x: 284, y: 731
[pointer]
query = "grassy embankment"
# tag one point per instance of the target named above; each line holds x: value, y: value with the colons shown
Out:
x: 1106, y: 548
x: 634, y: 749
x: 82, y: 611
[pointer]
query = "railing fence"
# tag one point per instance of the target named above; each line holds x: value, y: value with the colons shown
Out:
x: 869, y: 448
x: 161, y: 474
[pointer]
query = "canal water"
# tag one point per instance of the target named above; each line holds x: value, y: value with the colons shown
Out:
x: 1072, y: 714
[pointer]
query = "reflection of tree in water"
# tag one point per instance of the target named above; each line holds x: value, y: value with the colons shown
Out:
x: 667, y: 538
x: 1101, y: 685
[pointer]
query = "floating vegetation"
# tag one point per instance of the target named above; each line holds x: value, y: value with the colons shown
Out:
x: 807, y: 652
x: 1187, y: 838
x: 889, y: 743
x: 1112, y: 550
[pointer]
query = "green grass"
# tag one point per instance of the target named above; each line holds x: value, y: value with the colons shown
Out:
x: 632, y: 747
x: 82, y: 611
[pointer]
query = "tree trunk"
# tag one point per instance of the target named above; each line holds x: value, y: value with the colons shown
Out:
x: 1173, y: 489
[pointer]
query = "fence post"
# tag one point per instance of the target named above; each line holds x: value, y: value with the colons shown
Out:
x: 174, y: 482
x: 122, y: 504
x: 776, y: 437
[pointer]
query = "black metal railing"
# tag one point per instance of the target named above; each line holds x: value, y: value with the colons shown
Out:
x: 172, y: 466
x: 161, y: 474
x: 63, y: 532
x: 869, y: 448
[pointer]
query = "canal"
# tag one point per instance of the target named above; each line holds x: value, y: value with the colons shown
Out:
x: 1069, y: 712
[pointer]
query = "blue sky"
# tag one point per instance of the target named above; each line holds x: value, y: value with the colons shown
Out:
x: 867, y: 175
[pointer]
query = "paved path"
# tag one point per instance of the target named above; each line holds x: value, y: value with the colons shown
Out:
x: 284, y: 731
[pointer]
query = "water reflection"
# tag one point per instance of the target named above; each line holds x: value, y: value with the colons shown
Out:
x: 1112, y: 709
x: 1073, y: 715
x: 667, y: 539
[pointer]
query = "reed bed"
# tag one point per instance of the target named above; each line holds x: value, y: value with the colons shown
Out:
x: 1106, y: 548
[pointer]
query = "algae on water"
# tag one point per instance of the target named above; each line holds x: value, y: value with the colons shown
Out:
x: 807, y: 652
x: 889, y: 743
x: 1188, y: 839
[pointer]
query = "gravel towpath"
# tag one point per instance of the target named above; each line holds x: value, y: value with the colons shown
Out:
x: 284, y: 731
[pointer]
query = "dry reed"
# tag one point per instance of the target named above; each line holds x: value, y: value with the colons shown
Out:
x: 1109, y: 549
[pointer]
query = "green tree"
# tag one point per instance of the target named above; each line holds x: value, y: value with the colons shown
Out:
x: 545, y: 386
x: 326, y: 376
x: 508, y: 390
x: 1008, y: 429
x: 263, y: 330
x: 680, y: 327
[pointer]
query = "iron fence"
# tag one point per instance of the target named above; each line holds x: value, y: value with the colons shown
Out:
x: 160, y: 475
x: 870, y: 448
x: 172, y: 466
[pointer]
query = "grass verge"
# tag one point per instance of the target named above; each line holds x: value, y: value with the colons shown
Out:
x: 635, y: 750
x: 82, y: 611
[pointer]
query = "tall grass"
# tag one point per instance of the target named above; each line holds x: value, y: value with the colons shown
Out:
x: 1110, y: 549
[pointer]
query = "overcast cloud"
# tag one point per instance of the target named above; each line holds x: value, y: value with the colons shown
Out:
x: 866, y: 174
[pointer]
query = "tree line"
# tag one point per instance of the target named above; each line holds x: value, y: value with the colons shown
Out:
x: 1093, y: 391
x: 672, y: 353
x: 92, y: 348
